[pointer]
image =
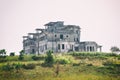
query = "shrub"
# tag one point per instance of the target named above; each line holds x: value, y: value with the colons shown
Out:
x: 7, y: 67
x: 27, y: 58
x: 118, y: 57
x: 111, y: 63
x: 17, y: 66
x: 12, y: 58
x: 12, y: 54
x: 21, y: 56
x: 63, y: 61
x: 112, y: 54
x: 35, y: 58
x: 89, y: 65
x: 108, y: 63
x: 2, y: 56
x: 3, y: 60
x: 38, y: 58
x: 76, y: 64
x: 49, y: 60
x: 29, y: 66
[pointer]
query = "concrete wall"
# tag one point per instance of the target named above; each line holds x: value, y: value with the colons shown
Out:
x: 59, y: 38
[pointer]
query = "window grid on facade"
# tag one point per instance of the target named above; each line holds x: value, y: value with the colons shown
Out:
x: 59, y: 38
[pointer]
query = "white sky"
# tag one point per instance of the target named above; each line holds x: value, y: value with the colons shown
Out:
x: 99, y: 20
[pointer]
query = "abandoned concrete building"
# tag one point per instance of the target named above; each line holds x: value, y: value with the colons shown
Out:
x: 57, y: 37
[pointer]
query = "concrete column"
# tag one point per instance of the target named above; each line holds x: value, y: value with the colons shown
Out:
x: 93, y: 48
x: 86, y: 48
x: 89, y: 48
x: 100, y: 48
x: 60, y: 47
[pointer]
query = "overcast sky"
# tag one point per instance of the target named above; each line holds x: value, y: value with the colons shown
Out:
x: 99, y: 20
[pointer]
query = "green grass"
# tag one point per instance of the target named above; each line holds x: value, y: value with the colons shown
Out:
x: 67, y: 72
x: 82, y: 66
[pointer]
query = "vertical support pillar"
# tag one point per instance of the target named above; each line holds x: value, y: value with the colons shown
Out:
x: 93, y: 49
x: 24, y: 44
x: 100, y: 48
x: 86, y: 49
x: 38, y: 45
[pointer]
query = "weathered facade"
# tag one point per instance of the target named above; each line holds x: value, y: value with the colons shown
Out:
x: 57, y: 37
x: 89, y: 46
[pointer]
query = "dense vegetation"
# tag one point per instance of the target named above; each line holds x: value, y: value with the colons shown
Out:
x: 64, y: 66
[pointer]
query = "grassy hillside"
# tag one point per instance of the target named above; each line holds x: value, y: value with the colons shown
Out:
x: 66, y: 66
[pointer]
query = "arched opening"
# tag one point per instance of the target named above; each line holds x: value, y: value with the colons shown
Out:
x: 90, y: 48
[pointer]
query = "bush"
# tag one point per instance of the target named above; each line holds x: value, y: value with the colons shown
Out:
x: 21, y: 56
x: 29, y: 66
x: 108, y: 63
x: 3, y: 60
x: 111, y: 63
x: 92, y: 54
x: 63, y: 61
x: 7, y: 67
x: 35, y: 58
x: 12, y: 54
x: 89, y: 65
x: 49, y: 60
x: 17, y: 66
x: 12, y: 58
x: 38, y: 58
x: 2, y: 56
x: 118, y: 57
x: 76, y: 64
x: 112, y: 54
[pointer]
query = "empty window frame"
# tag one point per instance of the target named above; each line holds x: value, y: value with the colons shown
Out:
x: 63, y: 46
x: 61, y: 36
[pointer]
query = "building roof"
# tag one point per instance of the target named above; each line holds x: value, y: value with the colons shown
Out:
x: 72, y: 26
x: 88, y: 42
x: 53, y: 23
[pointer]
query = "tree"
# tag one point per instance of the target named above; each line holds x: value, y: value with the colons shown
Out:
x: 22, y: 52
x: 114, y: 49
x: 49, y: 59
x: 3, y: 52
x: 12, y: 54
x: 21, y: 56
x: 3, y: 55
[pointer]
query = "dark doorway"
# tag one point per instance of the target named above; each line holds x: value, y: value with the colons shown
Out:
x: 76, y: 48
x: 61, y: 36
x: 33, y: 51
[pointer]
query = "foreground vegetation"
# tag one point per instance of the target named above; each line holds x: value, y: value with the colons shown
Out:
x: 64, y: 66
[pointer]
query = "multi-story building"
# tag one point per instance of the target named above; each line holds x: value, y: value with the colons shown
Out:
x: 56, y: 37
